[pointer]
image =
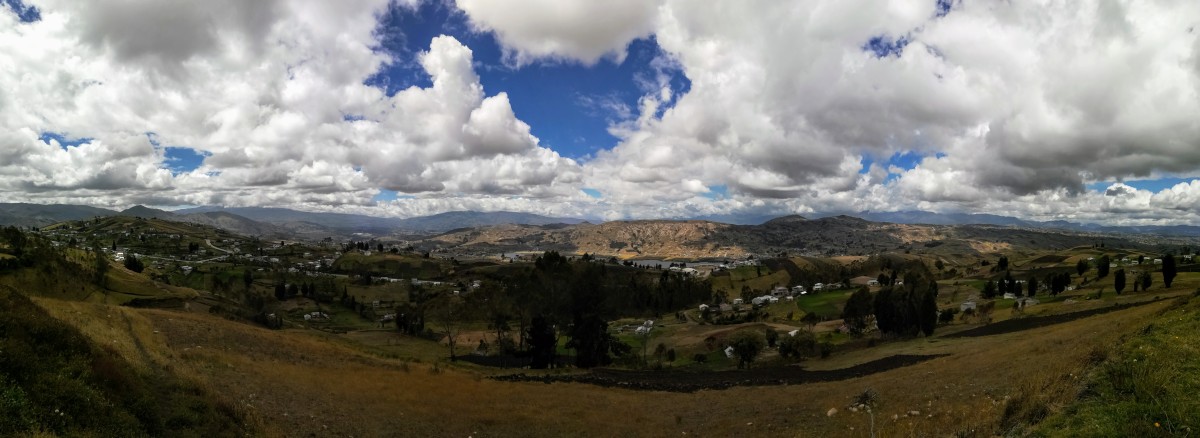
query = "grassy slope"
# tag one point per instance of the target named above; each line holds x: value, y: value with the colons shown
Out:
x: 1149, y: 385
x: 55, y: 380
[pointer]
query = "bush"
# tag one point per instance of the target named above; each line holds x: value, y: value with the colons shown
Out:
x: 797, y: 347
x: 747, y: 345
x: 826, y: 349
x: 700, y: 358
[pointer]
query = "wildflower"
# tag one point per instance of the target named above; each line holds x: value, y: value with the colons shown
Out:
x: 1156, y: 424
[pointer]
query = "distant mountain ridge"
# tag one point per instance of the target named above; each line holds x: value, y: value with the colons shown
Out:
x: 281, y: 221
x: 380, y: 225
x: 930, y: 218
x: 469, y: 219
x: 38, y: 215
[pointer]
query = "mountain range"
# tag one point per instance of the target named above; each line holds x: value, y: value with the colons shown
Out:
x: 267, y: 221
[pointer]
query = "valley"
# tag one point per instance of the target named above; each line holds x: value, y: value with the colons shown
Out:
x: 748, y: 330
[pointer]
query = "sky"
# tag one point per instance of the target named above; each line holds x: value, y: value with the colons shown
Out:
x: 1082, y: 110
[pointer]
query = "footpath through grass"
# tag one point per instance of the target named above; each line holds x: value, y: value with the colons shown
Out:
x: 1149, y: 385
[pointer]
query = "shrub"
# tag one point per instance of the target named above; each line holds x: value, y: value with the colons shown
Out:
x: 797, y: 347
x: 747, y: 345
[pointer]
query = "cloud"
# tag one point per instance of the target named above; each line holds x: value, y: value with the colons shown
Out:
x: 578, y: 30
x: 1007, y: 101
x: 259, y: 89
x: 1016, y: 107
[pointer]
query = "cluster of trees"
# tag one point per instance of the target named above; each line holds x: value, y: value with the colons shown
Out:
x: 1058, y: 282
x: 368, y: 246
x: 133, y: 264
x: 907, y: 310
x: 556, y: 297
x: 897, y: 310
x: 292, y: 290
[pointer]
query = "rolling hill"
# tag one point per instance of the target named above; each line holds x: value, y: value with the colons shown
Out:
x: 796, y: 235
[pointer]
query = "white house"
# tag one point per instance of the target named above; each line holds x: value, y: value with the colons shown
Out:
x: 797, y: 290
x: 1010, y: 296
x: 969, y: 305
x: 818, y: 287
x: 872, y: 282
x: 779, y: 291
x: 738, y: 301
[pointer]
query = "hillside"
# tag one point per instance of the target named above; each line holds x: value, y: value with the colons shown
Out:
x: 236, y: 224
x: 39, y: 215
x: 830, y: 236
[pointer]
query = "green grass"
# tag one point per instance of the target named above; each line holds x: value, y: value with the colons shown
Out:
x: 826, y: 304
x: 1147, y: 386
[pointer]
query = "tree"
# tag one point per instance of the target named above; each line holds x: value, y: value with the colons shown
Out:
x: 448, y: 313
x: 16, y: 240
x: 857, y: 309
x: 1002, y: 265
x: 671, y: 355
x: 772, y: 337
x: 989, y: 289
x: 101, y: 267
x: 1146, y: 279
x: 1033, y: 286
x: 1102, y: 266
x: 1119, y: 281
x: 542, y: 343
x: 811, y: 319
x: 1081, y: 266
x: 797, y: 347
x: 939, y: 265
x: 133, y: 264
x: 929, y: 311
x: 747, y: 344
x: 247, y: 279
x: 1011, y: 286
x: 1168, y: 269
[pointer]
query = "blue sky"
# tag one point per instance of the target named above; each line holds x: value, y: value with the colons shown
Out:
x: 562, y: 101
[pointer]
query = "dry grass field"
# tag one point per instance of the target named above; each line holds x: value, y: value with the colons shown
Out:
x: 297, y: 383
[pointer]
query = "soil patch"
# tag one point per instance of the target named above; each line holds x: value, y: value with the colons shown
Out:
x: 695, y: 381
x: 1016, y: 325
